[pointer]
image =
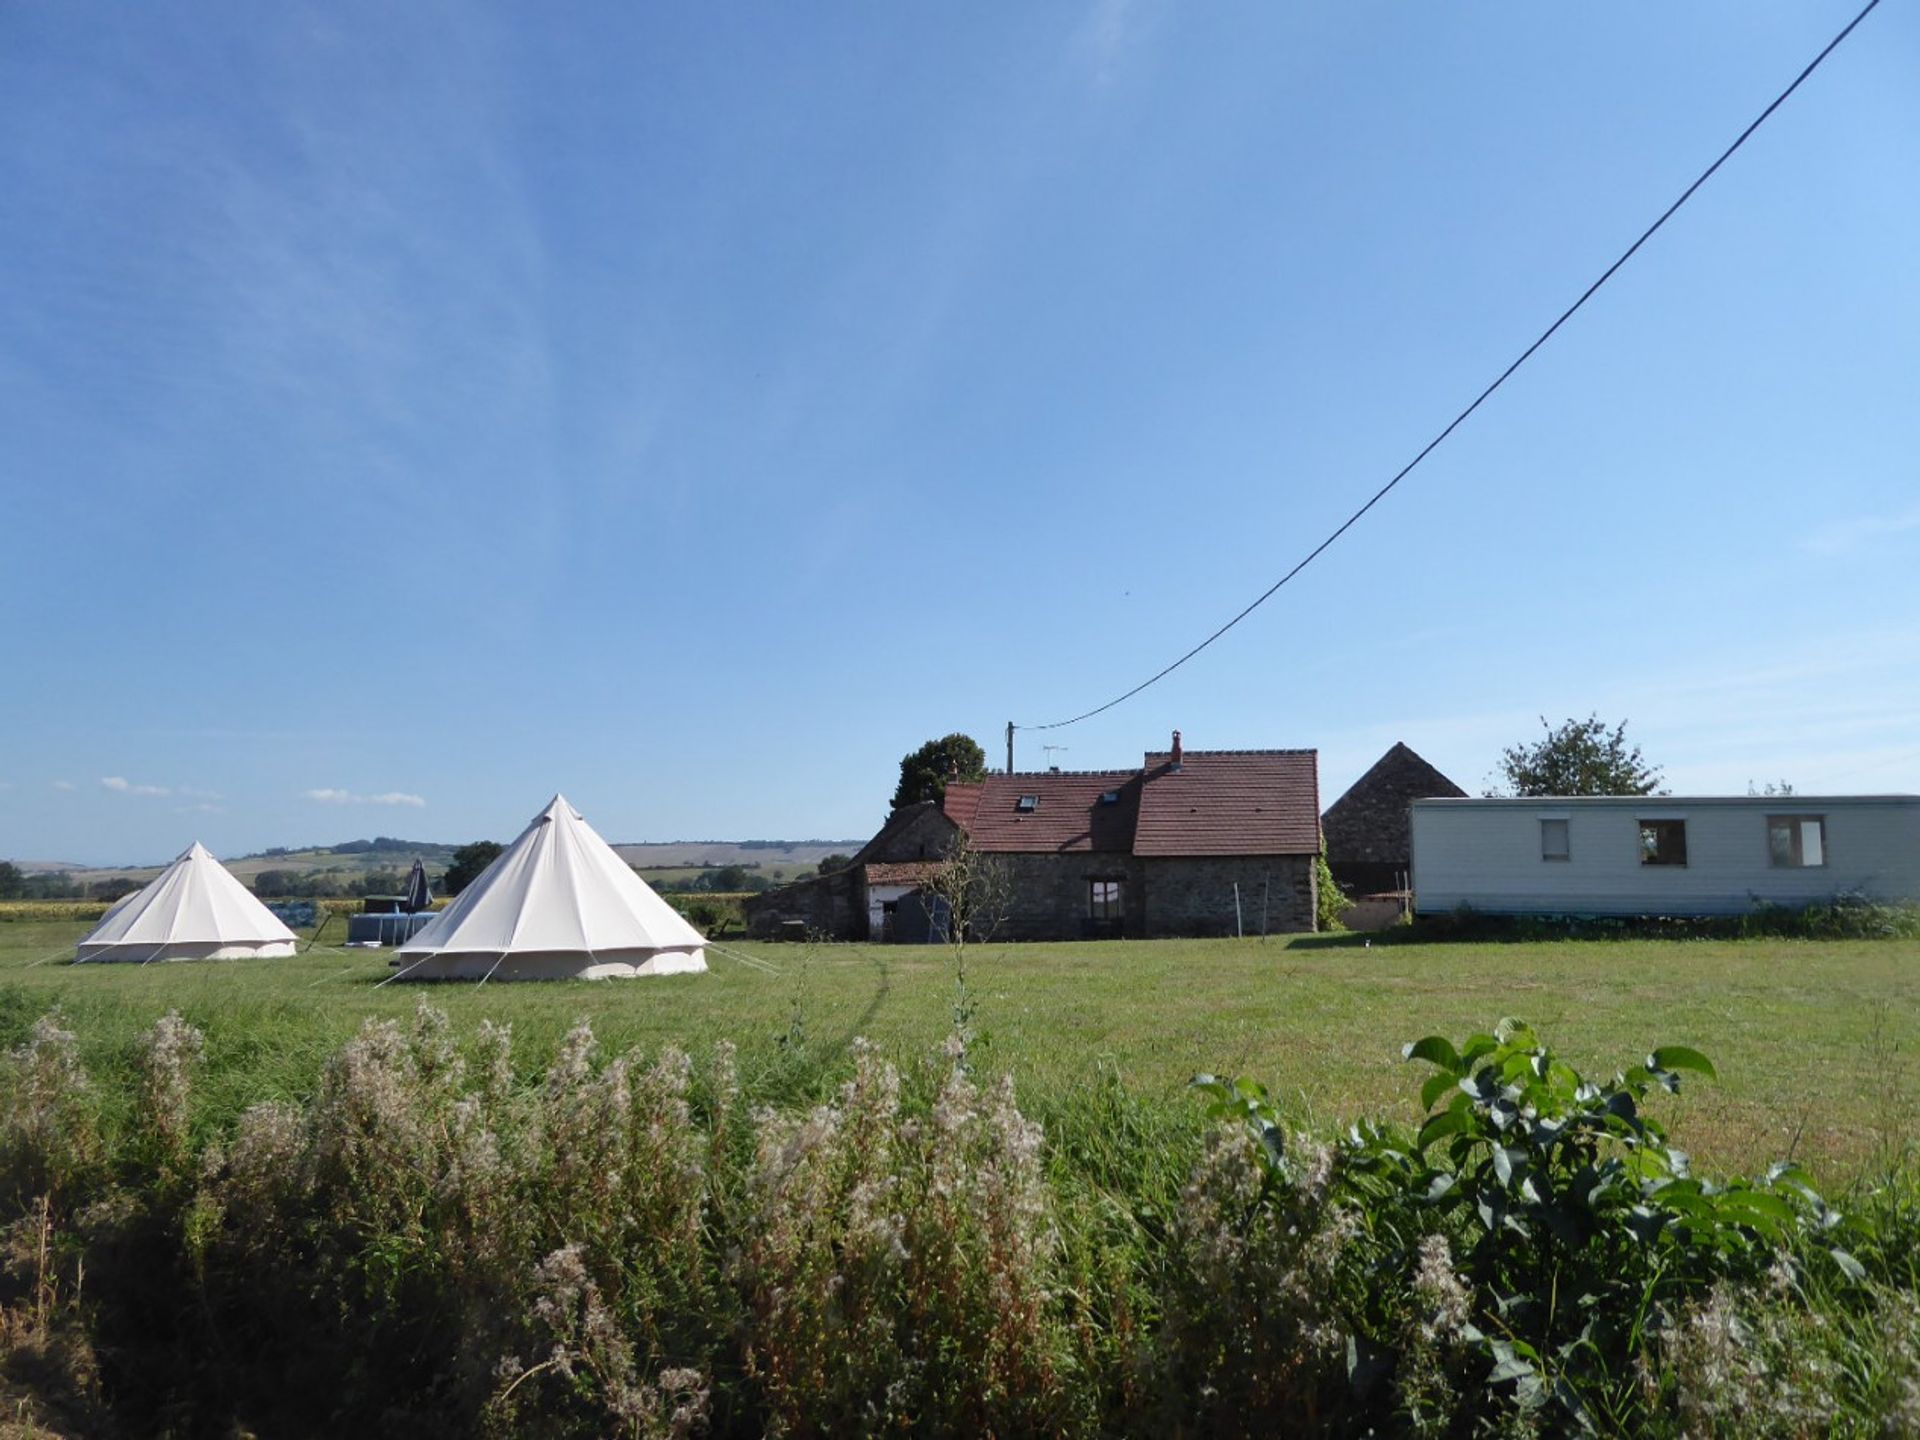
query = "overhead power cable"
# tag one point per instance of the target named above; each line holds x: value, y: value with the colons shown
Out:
x: 1484, y: 395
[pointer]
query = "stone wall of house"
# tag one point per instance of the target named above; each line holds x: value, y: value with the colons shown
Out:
x: 830, y: 905
x: 1193, y: 895
x: 921, y: 832
x: 1046, y: 896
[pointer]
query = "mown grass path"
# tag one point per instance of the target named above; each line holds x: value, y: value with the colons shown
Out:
x: 1817, y: 1042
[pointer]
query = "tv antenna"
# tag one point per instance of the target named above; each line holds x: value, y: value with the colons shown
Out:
x: 1049, y: 749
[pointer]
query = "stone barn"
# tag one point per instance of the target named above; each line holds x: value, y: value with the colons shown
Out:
x: 1369, y: 845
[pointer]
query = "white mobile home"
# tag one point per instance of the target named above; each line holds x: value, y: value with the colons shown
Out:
x: 1662, y: 854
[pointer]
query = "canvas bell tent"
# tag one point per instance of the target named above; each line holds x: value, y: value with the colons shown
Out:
x: 194, y: 910
x: 557, y: 904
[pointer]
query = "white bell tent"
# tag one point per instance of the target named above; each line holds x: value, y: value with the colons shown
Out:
x: 193, y: 910
x: 557, y: 904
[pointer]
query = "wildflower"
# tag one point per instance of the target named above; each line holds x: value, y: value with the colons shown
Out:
x: 1447, y: 1301
x: 167, y: 1054
x: 495, y: 1048
x: 574, y: 1063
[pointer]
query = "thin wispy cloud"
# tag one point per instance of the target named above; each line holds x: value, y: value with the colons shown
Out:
x: 120, y: 785
x: 1842, y: 537
x: 1110, y: 30
x: 203, y: 808
x: 348, y: 797
x: 63, y: 785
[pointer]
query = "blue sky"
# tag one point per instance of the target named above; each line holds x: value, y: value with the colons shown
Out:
x: 409, y: 411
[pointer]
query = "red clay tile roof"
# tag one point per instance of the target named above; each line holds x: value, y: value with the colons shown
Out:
x: 1220, y: 802
x: 960, y: 802
x: 1230, y: 802
x: 1069, y: 815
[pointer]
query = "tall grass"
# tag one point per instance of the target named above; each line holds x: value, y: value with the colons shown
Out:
x: 640, y: 1244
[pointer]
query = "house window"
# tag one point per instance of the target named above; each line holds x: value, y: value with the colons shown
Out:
x: 1103, y: 899
x: 1663, y: 842
x: 1027, y: 804
x: 1553, y: 840
x: 1797, y: 842
x: 1109, y: 797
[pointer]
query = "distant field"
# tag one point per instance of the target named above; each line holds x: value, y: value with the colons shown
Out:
x: 768, y: 855
x: 779, y: 874
x: 779, y: 861
x: 1816, y: 1042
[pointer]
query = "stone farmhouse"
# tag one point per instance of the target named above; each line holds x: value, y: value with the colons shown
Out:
x: 1369, y: 843
x: 1192, y: 843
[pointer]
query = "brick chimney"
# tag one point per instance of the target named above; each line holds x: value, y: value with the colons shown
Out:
x: 1176, y: 751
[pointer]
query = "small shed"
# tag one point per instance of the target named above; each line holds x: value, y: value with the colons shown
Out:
x: 1640, y: 855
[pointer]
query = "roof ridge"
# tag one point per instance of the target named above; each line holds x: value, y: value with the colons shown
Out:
x: 1044, y: 774
x: 1287, y: 750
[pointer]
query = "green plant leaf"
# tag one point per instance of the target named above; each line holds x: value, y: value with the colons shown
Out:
x: 1516, y: 1034
x: 1476, y: 1047
x: 1435, y: 1050
x: 1434, y: 1086
x: 1438, y: 1127
x: 1855, y: 1271
x: 1758, y: 1202
x: 1503, y: 1164
x: 1511, y: 1368
x: 1681, y: 1057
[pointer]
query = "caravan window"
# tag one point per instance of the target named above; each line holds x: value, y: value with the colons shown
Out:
x: 1797, y: 842
x: 1553, y: 840
x: 1663, y: 842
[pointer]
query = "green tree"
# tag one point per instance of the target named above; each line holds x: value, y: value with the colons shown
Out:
x: 834, y: 862
x: 468, y: 862
x: 924, y: 773
x: 11, y: 882
x: 1581, y: 757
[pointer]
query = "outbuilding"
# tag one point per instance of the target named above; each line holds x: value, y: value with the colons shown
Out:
x: 1636, y: 855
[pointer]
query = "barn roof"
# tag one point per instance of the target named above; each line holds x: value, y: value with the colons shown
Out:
x: 1369, y: 823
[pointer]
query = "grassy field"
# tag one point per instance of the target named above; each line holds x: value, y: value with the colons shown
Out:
x: 1815, y: 1041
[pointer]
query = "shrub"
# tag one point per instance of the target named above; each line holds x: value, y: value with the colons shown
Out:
x: 1845, y: 917
x: 897, y: 1268
x: 1330, y: 901
x: 619, y: 1246
x: 1580, y: 1224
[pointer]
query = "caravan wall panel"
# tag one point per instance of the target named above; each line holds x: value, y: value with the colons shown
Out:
x: 1487, y: 855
